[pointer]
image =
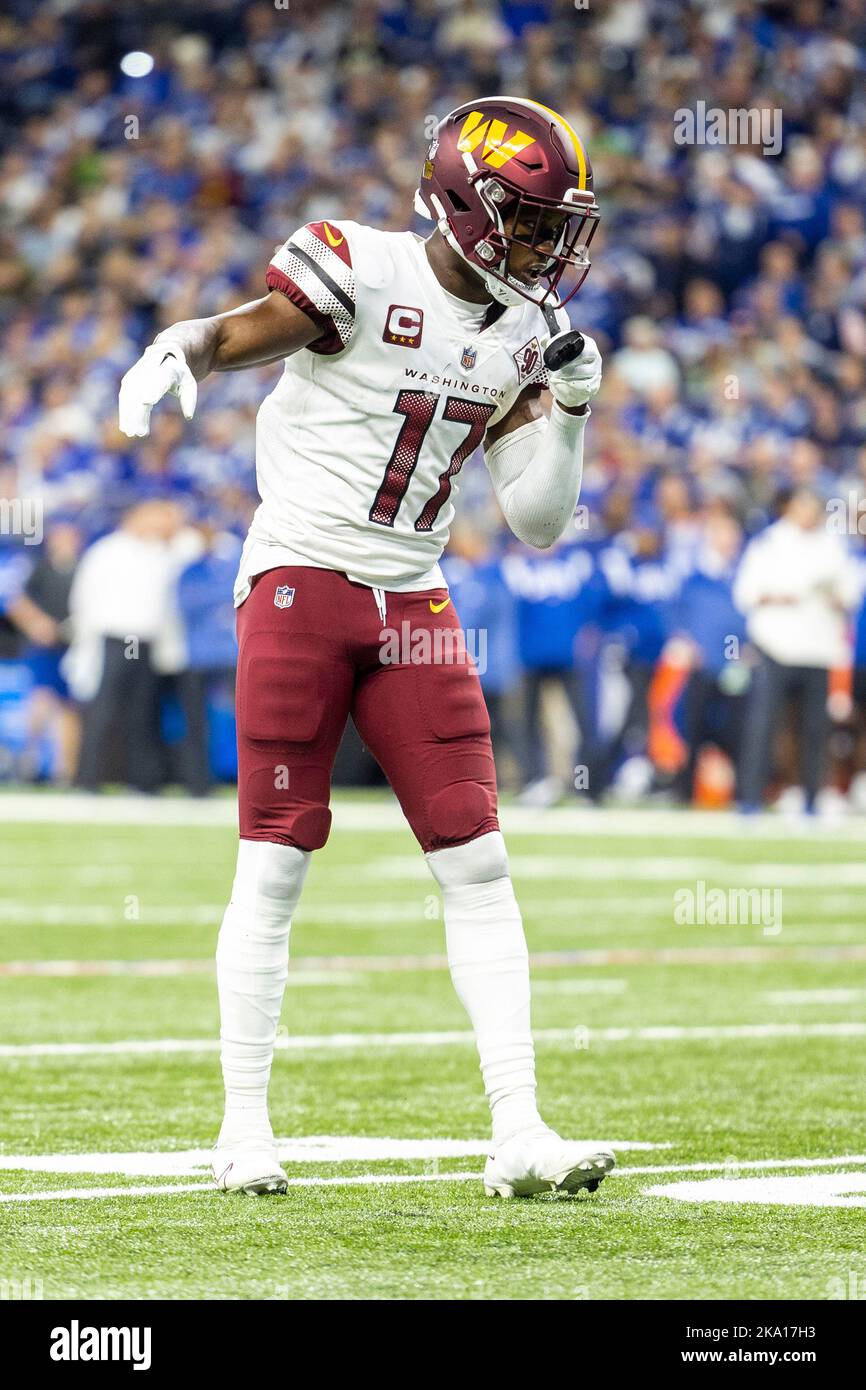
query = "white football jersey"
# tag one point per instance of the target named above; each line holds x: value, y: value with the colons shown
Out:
x: 359, y: 446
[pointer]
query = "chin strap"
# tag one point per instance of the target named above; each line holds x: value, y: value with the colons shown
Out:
x: 421, y: 207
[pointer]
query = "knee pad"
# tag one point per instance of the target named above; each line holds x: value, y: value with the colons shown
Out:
x: 479, y: 861
x: 462, y: 811
x: 295, y: 816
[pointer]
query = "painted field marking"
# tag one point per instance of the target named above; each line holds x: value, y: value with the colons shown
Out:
x: 347, y: 1041
x: 375, y: 816
x: 650, y: 908
x: 816, y: 1190
x: 758, y: 1164
x: 163, y: 969
x: 321, y: 1148
x: 356, y: 966
x: 841, y: 1181
x: 588, y: 867
x: 596, y: 986
x: 814, y: 996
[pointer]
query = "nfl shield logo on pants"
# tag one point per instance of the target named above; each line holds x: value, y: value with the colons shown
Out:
x: 283, y: 596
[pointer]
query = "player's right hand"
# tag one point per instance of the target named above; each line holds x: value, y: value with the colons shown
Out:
x: 161, y: 369
x: 578, y: 381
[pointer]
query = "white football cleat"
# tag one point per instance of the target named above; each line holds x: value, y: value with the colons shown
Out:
x: 252, y: 1169
x: 537, y: 1160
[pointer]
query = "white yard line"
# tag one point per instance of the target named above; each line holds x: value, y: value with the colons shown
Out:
x: 321, y: 1148
x: 70, y: 969
x: 814, y: 996
x: 389, y: 1179
x: 584, y: 907
x: 729, y: 1166
x: 678, y: 872
x: 70, y: 1194
x: 373, y: 817
x: 326, y: 968
x: 597, y: 986
x: 812, y: 1190
x: 363, y: 1041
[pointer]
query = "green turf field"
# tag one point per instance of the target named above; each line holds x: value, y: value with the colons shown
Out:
x: 737, y: 1047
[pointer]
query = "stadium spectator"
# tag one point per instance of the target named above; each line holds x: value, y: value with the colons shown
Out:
x: 125, y: 632
x: 204, y: 600
x: 638, y: 582
x: 706, y: 618
x: 41, y: 613
x: 556, y: 594
x: 473, y: 569
x: 797, y: 586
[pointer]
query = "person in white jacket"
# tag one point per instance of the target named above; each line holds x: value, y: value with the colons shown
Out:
x: 796, y: 586
x: 125, y: 632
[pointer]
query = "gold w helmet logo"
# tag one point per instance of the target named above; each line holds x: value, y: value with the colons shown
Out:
x: 497, y: 148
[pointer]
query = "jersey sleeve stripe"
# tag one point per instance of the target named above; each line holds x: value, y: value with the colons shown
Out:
x: 330, y: 342
x: 324, y: 279
x: 336, y: 290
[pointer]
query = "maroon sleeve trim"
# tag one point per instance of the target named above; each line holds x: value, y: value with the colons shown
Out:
x: 330, y: 341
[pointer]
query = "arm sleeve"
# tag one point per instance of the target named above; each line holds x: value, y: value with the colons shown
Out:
x: 536, y: 472
x: 314, y: 270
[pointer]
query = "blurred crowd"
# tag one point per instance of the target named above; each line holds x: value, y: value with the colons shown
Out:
x: 728, y: 295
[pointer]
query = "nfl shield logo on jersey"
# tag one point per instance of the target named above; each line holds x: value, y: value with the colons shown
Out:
x: 284, y: 597
x: 467, y: 361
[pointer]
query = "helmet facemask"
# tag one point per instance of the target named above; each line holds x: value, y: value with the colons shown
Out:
x: 523, y: 223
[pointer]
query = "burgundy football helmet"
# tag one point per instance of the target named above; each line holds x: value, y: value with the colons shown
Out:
x: 504, y: 172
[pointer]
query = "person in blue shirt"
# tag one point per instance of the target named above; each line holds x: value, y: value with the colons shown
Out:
x: 204, y: 597
x: 473, y: 572
x: 713, y: 701
x: 556, y: 595
x: 640, y: 578
x: 858, y: 661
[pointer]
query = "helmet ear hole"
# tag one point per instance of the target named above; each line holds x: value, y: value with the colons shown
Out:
x: 457, y: 202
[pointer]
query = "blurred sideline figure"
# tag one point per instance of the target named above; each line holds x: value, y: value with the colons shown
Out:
x: 797, y: 586
x: 474, y: 574
x: 125, y: 632
x: 207, y: 615
x: 41, y: 612
x: 710, y: 623
x: 556, y: 599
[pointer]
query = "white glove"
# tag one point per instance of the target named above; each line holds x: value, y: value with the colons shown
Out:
x: 160, y: 369
x: 577, y: 382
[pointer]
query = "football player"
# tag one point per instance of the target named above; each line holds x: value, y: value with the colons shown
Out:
x: 402, y: 356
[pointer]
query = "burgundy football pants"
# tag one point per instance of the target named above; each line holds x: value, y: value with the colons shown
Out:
x: 314, y: 648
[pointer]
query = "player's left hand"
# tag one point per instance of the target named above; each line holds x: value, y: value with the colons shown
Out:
x: 578, y: 381
x: 161, y: 369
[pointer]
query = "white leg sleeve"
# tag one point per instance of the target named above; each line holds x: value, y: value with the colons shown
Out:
x: 489, y: 965
x: 252, y: 968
